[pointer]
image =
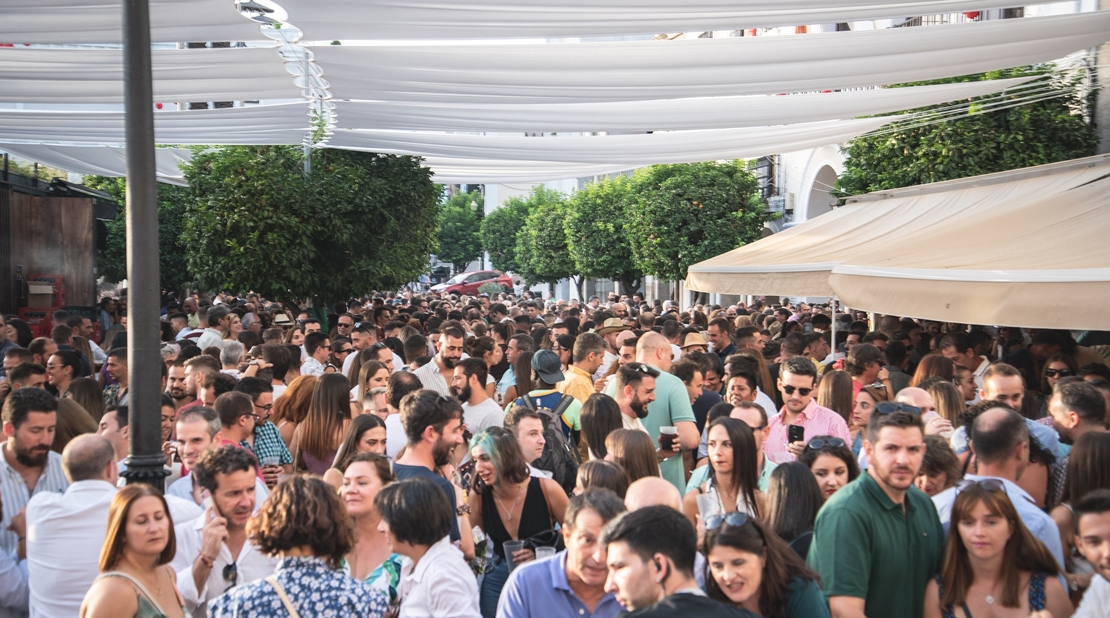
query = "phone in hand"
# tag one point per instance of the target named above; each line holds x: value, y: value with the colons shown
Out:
x: 795, y: 433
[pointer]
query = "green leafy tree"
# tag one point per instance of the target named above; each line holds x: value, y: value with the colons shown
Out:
x: 595, y: 222
x: 460, y: 222
x: 541, y: 245
x: 172, y: 200
x: 359, y: 222
x: 498, y: 233
x: 982, y: 142
x: 685, y: 213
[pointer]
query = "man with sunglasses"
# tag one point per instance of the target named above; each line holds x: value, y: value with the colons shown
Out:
x: 363, y: 335
x: 213, y: 553
x: 877, y: 541
x: 798, y: 384
x: 1000, y: 443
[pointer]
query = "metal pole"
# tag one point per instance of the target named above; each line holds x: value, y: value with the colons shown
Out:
x: 832, y: 329
x: 145, y: 463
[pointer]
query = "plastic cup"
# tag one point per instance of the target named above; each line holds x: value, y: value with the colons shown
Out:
x: 270, y: 460
x: 708, y: 506
x: 511, y: 547
x: 544, y: 552
x: 667, y: 436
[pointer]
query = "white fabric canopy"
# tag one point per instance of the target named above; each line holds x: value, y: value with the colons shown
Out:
x: 100, y: 160
x: 448, y: 170
x: 98, y: 21
x: 456, y: 19
x: 643, y: 70
x: 656, y: 115
x: 626, y: 150
x: 36, y: 75
x: 261, y: 124
x: 1032, y: 225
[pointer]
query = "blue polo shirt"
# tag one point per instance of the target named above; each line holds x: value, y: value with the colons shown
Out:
x: 540, y: 589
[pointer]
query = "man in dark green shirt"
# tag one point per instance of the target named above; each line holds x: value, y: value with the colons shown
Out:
x: 878, y: 540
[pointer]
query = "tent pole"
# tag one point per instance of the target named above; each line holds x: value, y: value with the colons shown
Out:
x: 832, y: 331
x: 145, y: 462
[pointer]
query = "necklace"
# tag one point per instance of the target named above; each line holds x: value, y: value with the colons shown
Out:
x: 509, y: 512
x: 990, y: 600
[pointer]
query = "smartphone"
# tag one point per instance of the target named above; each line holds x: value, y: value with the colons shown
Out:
x: 795, y: 433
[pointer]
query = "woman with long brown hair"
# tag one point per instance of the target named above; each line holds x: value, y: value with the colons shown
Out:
x: 318, y: 437
x: 748, y: 566
x: 933, y: 365
x: 291, y: 408
x: 87, y: 393
x: 365, y: 434
x: 1088, y: 470
x: 733, y: 483
x: 634, y: 451
x: 835, y: 393
x: 522, y: 369
x: 135, y: 576
x: 766, y: 383
x: 371, y: 559
x: 992, y: 563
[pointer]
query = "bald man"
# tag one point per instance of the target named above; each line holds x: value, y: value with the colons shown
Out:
x: 920, y: 398
x: 652, y: 491
x: 671, y: 407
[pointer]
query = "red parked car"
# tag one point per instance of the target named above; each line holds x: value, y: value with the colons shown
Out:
x: 468, y: 283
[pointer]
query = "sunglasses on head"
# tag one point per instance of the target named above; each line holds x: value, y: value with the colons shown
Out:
x: 734, y: 519
x: 987, y: 484
x: 1063, y: 373
x: 888, y: 407
x: 817, y: 443
x: 789, y: 390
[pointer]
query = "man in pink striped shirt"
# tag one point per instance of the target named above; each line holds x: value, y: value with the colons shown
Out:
x: 798, y: 384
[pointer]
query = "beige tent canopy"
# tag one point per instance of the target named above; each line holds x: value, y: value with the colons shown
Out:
x: 1023, y: 248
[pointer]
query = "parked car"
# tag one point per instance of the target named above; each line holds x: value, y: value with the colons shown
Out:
x: 469, y: 282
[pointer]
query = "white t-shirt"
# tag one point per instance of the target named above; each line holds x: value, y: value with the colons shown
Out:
x: 395, y: 438
x: 482, y: 416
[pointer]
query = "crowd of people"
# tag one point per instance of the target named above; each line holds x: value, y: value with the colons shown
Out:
x: 515, y: 457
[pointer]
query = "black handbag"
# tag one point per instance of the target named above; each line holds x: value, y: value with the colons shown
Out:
x: 547, y: 538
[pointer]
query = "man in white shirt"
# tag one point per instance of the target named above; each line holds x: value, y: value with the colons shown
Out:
x: 609, y: 331
x: 317, y: 347
x: 65, y: 531
x: 957, y: 348
x: 1000, y: 443
x: 199, y: 430
x: 480, y: 411
x: 437, y: 374
x: 363, y: 335
x: 1092, y: 539
x: 635, y: 390
x: 400, y: 384
x: 213, y: 552
x: 219, y: 322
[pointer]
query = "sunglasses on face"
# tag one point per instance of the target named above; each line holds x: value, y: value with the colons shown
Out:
x: 789, y: 390
x: 1048, y: 373
x: 734, y: 519
x: 346, y: 350
x: 823, y: 442
x: 888, y: 407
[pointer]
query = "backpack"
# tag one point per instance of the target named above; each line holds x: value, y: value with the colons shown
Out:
x: 560, y: 455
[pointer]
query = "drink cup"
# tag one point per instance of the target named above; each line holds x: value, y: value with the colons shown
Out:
x: 544, y: 552
x: 510, y: 548
x: 667, y: 436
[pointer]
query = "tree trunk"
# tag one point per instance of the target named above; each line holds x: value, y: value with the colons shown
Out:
x: 580, y: 285
x: 628, y: 288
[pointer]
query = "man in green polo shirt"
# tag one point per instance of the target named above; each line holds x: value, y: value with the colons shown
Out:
x: 670, y: 408
x: 878, y: 540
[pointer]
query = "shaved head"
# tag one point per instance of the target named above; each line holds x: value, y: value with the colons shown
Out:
x: 917, y: 397
x: 655, y: 350
x: 652, y: 491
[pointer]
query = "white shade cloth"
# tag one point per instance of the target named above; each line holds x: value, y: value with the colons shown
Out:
x: 455, y: 19
x: 628, y: 150
x: 260, y: 124
x: 1020, y: 248
x: 98, y: 21
x: 100, y: 160
x: 37, y: 75
x: 655, y: 115
x: 450, y: 170
x: 643, y: 70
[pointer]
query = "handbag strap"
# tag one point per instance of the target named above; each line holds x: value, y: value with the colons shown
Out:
x: 272, y: 580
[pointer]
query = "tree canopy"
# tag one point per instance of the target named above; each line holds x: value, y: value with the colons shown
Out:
x: 685, y: 213
x: 172, y: 200
x: 360, y: 221
x: 1046, y: 130
x: 499, y: 230
x: 541, y: 245
x: 596, y: 218
x: 460, y: 220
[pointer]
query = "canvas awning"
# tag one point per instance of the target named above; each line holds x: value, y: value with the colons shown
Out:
x: 1023, y: 248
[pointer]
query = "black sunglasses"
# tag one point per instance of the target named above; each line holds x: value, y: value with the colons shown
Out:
x: 888, y: 407
x: 734, y: 519
x: 1063, y: 373
x: 789, y: 390
x: 817, y: 443
x: 987, y: 484
x: 231, y: 576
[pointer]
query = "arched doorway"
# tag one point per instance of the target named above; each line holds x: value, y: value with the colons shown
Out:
x: 820, y: 200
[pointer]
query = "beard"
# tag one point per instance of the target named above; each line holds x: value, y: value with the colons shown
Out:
x: 462, y: 394
x: 442, y: 452
x: 33, y: 457
x: 178, y: 393
x: 639, y: 407
x: 449, y: 361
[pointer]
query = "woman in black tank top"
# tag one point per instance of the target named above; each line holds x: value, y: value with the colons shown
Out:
x: 508, y: 504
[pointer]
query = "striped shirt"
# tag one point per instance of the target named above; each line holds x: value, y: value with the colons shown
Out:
x: 432, y: 379
x: 817, y: 421
x: 16, y: 494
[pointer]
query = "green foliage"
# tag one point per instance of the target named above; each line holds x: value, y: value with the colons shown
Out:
x: 541, y: 245
x: 360, y: 221
x: 498, y: 233
x: 172, y: 200
x: 490, y: 288
x: 459, y: 225
x: 28, y: 170
x: 683, y: 214
x: 596, y: 218
x: 1034, y: 133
